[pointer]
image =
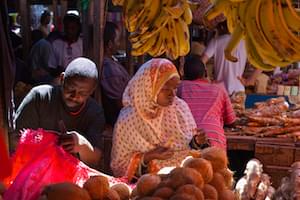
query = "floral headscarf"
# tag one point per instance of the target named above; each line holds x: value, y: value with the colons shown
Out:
x: 143, y: 124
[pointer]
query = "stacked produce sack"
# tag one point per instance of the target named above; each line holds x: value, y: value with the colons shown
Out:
x: 269, y: 28
x: 198, y: 178
x: 254, y: 184
x: 157, y: 26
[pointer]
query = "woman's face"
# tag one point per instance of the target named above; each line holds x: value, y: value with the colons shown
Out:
x: 167, y: 93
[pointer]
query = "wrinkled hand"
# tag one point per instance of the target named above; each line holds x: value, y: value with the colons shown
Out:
x: 159, y: 153
x: 200, y: 137
x: 68, y: 141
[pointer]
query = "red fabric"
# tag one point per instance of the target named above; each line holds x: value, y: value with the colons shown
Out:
x: 5, y: 161
x: 38, y: 162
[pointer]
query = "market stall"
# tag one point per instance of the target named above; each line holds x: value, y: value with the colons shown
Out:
x: 270, y: 132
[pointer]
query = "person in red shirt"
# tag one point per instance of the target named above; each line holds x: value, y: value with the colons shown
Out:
x: 209, y: 102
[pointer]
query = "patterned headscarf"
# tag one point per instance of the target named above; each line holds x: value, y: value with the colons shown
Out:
x: 143, y: 89
x: 143, y: 124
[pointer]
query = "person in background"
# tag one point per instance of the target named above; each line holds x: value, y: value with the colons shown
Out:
x: 39, y: 55
x: 46, y: 105
x: 230, y: 73
x: 209, y: 102
x: 154, y: 128
x: 68, y: 47
x: 114, y: 76
x: 44, y: 23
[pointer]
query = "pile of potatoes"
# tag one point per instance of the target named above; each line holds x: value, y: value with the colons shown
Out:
x: 254, y: 185
x: 206, y: 177
x: 95, y: 188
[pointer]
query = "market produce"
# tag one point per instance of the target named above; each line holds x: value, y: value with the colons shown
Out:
x: 217, y: 157
x: 112, y: 195
x: 186, y: 182
x: 268, y: 27
x: 123, y: 190
x: 272, y: 118
x: 228, y: 177
x: 210, y: 192
x: 203, y: 166
x: 64, y: 191
x: 157, y: 27
x: 254, y: 184
x: 97, y: 186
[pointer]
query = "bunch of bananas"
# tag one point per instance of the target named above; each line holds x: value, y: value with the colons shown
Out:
x: 157, y: 26
x: 269, y: 27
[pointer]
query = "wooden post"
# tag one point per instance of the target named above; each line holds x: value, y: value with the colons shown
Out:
x: 86, y: 31
x: 99, y: 23
x: 54, y: 8
x: 25, y: 26
x: 130, y: 66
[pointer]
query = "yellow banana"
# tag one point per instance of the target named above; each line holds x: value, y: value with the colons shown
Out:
x: 157, y: 25
x: 231, y: 14
x: 292, y: 41
x: 183, y: 36
x: 235, y: 39
x: 218, y: 7
x: 291, y: 16
x: 152, y: 10
x: 266, y: 51
x: 172, y: 41
x: 254, y: 57
x: 158, y: 47
x: 144, y: 47
x: 238, y: 32
x: 187, y: 14
x: 273, y: 34
x: 132, y: 11
x: 281, y: 22
x: 175, y: 10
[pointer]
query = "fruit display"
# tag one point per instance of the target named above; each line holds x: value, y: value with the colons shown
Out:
x: 254, y: 184
x: 157, y: 26
x: 97, y: 187
x: 272, y: 118
x: 269, y: 27
x: 206, y: 177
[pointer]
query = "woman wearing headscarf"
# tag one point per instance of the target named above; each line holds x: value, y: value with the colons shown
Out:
x: 155, y: 129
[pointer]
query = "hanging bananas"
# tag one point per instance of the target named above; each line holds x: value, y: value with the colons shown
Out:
x: 269, y: 27
x: 158, y: 26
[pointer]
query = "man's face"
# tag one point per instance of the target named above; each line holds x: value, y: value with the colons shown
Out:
x: 77, y: 90
x: 71, y: 29
x: 116, y: 43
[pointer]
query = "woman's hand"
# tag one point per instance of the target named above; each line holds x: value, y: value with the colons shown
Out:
x: 159, y: 153
x: 200, y: 137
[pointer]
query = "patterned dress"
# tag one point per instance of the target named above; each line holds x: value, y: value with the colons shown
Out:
x: 143, y: 124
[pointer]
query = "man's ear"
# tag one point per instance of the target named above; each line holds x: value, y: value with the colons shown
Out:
x: 62, y: 78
